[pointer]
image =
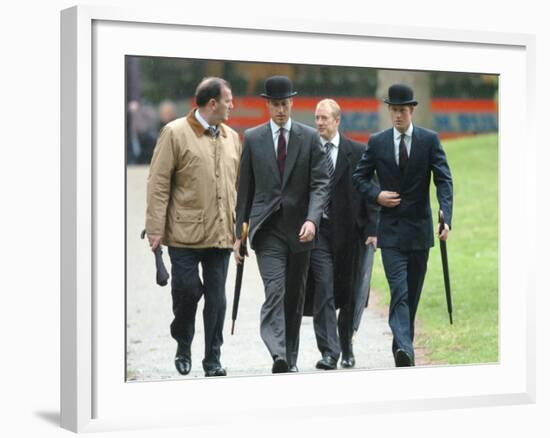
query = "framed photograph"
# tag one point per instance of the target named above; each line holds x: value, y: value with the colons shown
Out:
x: 99, y: 389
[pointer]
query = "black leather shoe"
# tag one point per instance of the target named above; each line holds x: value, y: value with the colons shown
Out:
x: 293, y: 369
x: 183, y: 364
x: 403, y: 359
x: 182, y: 361
x: 216, y: 372
x: 279, y: 366
x: 347, y: 361
x: 326, y: 363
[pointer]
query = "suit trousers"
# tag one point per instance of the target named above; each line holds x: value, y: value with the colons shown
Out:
x: 284, y: 275
x: 187, y: 290
x: 405, y: 272
x: 324, y: 310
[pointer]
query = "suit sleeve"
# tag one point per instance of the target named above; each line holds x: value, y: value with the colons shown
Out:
x: 368, y: 211
x: 363, y: 176
x: 442, y: 180
x: 159, y: 182
x: 245, y: 189
x: 318, y: 182
x: 373, y: 213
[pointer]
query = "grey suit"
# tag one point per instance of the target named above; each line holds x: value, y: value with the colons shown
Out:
x: 275, y: 210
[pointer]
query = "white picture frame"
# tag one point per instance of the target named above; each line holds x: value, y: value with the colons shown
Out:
x: 94, y: 395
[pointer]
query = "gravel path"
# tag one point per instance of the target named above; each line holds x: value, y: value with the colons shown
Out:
x: 150, y: 348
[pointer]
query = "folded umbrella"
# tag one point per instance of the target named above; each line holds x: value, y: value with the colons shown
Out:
x: 162, y: 273
x: 239, y: 277
x: 362, y: 291
x: 445, y: 262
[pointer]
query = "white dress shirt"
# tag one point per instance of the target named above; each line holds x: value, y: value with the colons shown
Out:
x: 397, y: 140
x: 201, y: 120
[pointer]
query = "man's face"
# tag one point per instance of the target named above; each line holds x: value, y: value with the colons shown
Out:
x: 279, y: 110
x: 223, y: 106
x: 401, y: 116
x: 327, y: 124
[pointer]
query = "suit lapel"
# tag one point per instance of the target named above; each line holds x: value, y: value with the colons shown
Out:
x: 293, y: 147
x: 342, y: 160
x: 268, y: 150
x: 413, y: 154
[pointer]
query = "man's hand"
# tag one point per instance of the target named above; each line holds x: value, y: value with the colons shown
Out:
x: 388, y: 199
x: 373, y: 240
x: 154, y: 241
x: 307, y: 232
x: 444, y: 235
x: 237, y: 252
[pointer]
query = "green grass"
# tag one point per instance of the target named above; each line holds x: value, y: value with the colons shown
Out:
x: 473, y: 259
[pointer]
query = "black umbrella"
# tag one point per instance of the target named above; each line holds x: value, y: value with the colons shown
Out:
x: 162, y: 273
x: 362, y: 291
x: 239, y: 277
x: 445, y: 262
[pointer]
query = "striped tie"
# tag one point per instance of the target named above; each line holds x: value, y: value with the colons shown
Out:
x: 330, y: 168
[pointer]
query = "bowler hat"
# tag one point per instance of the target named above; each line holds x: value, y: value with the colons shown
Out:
x: 400, y: 94
x: 278, y: 87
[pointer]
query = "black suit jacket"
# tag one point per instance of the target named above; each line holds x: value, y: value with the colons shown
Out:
x: 408, y: 226
x: 353, y: 219
x: 301, y: 194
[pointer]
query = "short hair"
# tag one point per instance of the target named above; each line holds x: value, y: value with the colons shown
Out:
x: 209, y: 88
x: 333, y: 105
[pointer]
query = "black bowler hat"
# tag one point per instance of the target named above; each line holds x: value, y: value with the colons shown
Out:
x: 278, y: 87
x: 399, y: 94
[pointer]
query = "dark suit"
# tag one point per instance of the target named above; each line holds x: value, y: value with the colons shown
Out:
x: 336, y: 264
x: 406, y: 232
x: 276, y: 210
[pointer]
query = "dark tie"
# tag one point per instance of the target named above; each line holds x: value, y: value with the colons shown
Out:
x: 281, y: 152
x: 330, y: 168
x: 213, y: 131
x: 403, y: 157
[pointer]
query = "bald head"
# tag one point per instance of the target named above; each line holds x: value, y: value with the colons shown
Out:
x: 210, y: 88
x: 214, y: 99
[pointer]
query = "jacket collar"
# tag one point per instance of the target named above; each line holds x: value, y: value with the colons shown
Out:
x: 198, y: 129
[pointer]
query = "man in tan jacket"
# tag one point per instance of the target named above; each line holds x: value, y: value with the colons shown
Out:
x: 191, y: 196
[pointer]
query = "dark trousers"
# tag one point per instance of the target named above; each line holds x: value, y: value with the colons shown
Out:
x: 405, y: 272
x: 345, y: 327
x: 324, y: 310
x: 187, y: 289
x: 356, y: 272
x: 284, y: 275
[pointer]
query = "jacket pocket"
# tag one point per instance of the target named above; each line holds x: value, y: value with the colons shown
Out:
x: 189, y: 226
